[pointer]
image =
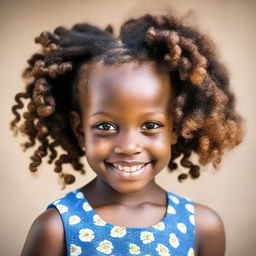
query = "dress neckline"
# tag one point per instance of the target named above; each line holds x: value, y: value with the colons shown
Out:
x: 163, y: 220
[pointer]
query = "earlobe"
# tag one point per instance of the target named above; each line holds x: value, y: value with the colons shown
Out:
x: 174, y: 136
x: 77, y: 127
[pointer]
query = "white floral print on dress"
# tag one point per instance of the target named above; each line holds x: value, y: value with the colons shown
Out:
x: 75, y: 191
x: 146, y: 237
x: 62, y: 208
x: 117, y: 231
x: 86, y: 235
x: 74, y: 220
x: 87, y: 207
x: 174, y: 199
x: 191, y: 252
x: 190, y: 208
x: 98, y: 221
x: 173, y: 240
x: 75, y: 250
x: 162, y: 250
x: 56, y: 202
x: 182, y: 227
x: 159, y: 239
x: 105, y: 246
x: 171, y: 210
x: 79, y: 195
x: 134, y: 249
x: 192, y: 219
x: 159, y: 226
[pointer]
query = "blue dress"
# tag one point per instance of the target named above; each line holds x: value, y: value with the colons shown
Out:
x: 87, y: 234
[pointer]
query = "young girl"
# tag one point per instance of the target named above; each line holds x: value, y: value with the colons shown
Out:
x: 131, y: 104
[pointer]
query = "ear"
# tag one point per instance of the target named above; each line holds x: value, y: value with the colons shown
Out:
x: 175, y: 136
x: 77, y: 127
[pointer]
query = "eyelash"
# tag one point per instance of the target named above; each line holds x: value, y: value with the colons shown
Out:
x: 103, y: 123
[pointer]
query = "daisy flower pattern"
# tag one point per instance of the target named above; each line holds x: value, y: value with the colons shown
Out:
x: 171, y: 210
x: 105, y: 246
x: 74, y: 220
x: 173, y: 240
x: 182, y: 227
x: 86, y: 235
x: 118, y: 231
x: 75, y: 250
x: 134, y: 249
x: 159, y: 226
x: 191, y: 252
x: 190, y: 208
x: 56, y: 202
x: 192, y: 219
x: 62, y: 208
x: 87, y: 207
x: 146, y: 237
x: 174, y: 199
x: 79, y: 195
x: 162, y: 250
x: 98, y: 221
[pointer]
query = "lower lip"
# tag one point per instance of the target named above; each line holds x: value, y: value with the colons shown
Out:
x: 128, y: 175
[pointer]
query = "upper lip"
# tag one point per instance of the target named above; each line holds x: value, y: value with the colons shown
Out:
x: 128, y: 163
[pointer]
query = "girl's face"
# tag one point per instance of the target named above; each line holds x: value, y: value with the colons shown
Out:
x: 126, y: 126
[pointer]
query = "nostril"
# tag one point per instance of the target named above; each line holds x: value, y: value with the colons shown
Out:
x: 128, y: 149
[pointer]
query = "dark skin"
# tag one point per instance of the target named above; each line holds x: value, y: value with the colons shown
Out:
x: 136, y: 126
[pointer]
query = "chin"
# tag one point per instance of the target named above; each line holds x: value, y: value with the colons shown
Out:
x: 129, y: 188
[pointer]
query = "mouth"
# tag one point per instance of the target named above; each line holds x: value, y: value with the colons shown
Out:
x: 125, y: 171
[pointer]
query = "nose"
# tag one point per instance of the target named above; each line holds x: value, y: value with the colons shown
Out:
x: 128, y: 143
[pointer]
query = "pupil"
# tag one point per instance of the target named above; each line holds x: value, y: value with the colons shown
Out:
x: 150, y: 126
x: 105, y: 126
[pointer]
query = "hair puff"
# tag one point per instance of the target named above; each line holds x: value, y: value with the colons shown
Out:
x: 203, y: 110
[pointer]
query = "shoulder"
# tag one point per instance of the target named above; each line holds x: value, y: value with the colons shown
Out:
x: 209, y: 233
x: 46, y: 236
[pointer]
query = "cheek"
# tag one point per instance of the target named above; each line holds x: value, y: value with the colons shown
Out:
x: 97, y: 150
x: 162, y: 147
x: 97, y: 147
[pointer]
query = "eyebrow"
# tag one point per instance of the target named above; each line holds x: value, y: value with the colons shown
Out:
x: 144, y: 114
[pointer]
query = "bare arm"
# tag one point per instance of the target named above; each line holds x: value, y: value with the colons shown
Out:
x: 210, y: 234
x: 46, y: 236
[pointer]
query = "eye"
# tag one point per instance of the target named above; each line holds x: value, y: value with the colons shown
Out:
x: 105, y: 126
x: 151, y: 126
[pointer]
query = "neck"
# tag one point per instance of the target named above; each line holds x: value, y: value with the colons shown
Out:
x: 102, y: 192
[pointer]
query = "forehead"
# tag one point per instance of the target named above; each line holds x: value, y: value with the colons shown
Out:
x: 142, y: 84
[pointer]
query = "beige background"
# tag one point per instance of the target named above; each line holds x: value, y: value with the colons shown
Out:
x: 230, y: 191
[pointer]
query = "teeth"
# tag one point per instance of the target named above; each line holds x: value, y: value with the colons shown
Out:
x: 139, y: 167
x: 120, y: 167
x: 127, y: 168
x: 133, y: 168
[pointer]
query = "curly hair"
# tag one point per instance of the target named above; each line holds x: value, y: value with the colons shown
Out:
x: 203, y: 111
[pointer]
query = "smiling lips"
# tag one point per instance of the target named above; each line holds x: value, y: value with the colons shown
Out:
x: 128, y: 167
x: 125, y: 168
